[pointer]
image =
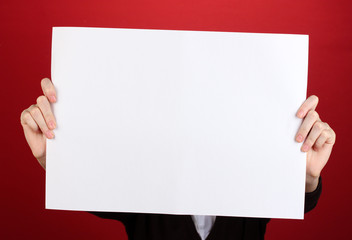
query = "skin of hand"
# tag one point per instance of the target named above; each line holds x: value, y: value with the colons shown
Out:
x: 318, y: 138
x: 38, y: 122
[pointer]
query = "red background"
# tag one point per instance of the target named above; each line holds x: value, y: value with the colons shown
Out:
x: 25, y: 51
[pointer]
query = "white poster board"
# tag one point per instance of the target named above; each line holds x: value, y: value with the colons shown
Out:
x: 177, y: 122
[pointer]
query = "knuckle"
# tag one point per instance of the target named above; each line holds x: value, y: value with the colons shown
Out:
x: 44, y: 81
x: 325, y: 134
x: 41, y: 99
x: 35, y: 111
x: 31, y: 106
x: 313, y: 114
x: 319, y: 126
x: 22, y: 113
x: 25, y: 115
x: 319, y: 143
x: 315, y: 98
x: 48, y: 84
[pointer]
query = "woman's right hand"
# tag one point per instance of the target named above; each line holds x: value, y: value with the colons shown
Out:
x: 38, y: 122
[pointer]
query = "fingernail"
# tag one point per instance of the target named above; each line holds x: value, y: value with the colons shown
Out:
x: 305, y: 147
x: 52, y: 124
x: 53, y: 98
x: 300, y: 114
x: 50, y: 134
x: 299, y: 138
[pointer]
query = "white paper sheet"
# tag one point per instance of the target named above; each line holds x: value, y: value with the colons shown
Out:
x: 177, y: 122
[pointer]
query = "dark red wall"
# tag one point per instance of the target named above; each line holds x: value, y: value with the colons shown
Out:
x: 25, y: 45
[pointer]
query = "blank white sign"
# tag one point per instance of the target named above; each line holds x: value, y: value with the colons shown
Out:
x: 177, y: 122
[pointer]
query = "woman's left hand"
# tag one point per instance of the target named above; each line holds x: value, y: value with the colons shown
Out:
x: 318, y: 139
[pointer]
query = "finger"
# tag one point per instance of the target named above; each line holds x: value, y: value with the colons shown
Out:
x: 331, y: 137
x: 39, y: 119
x: 27, y: 120
x: 48, y: 89
x: 45, y: 108
x: 322, y: 139
x: 316, y: 131
x: 309, y: 104
x: 306, y: 125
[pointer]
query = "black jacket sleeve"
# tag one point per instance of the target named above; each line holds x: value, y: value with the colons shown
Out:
x: 311, y: 199
x: 127, y: 219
